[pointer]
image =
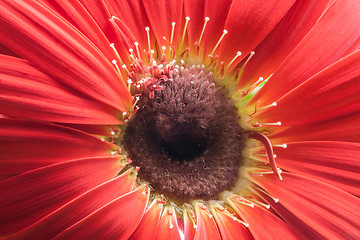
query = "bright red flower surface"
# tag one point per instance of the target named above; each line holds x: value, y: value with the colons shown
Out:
x: 73, y: 78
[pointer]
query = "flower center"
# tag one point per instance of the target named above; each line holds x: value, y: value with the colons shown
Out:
x: 185, y: 136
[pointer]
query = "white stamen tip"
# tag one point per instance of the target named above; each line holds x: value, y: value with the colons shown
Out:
x: 113, y: 61
x: 278, y: 123
x: 238, y: 53
x: 136, y: 43
x: 252, y: 53
x: 124, y: 113
x: 112, y: 133
x: 147, y: 29
x: 225, y: 31
x: 173, y: 23
x: 274, y: 155
x: 276, y: 200
x: 284, y: 145
x: 274, y: 104
x: 187, y: 18
x: 102, y: 139
x: 112, y: 44
x: 207, y: 19
x: 163, y: 48
x: 261, y: 78
x: 123, y: 66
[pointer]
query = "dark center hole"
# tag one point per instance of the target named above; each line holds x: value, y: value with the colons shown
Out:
x: 184, y: 141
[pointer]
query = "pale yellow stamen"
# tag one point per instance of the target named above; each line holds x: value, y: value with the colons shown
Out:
x: 172, y: 32
x: 238, y: 54
x: 218, y: 43
x: 187, y: 19
x: 203, y: 30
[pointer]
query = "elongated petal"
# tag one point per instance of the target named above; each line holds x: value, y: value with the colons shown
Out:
x: 283, y: 39
x: 168, y: 226
x: 335, y: 163
x: 161, y: 24
x: 303, y: 230
x: 330, y: 211
x: 229, y: 226
x: 331, y: 93
x: 37, y: 34
x: 341, y: 26
x: 248, y: 23
x: 189, y: 224
x: 338, y: 129
x: 28, y: 197
x: 28, y: 93
x: 74, y: 12
x: 78, y: 208
x: 262, y: 223
x: 206, y: 226
x: 116, y: 220
x: 27, y: 145
x: 148, y: 226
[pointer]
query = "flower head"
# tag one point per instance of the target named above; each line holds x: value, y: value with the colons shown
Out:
x: 179, y: 119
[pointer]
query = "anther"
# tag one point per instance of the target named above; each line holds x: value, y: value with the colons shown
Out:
x: 203, y: 30
x: 124, y: 67
x: 238, y: 54
x: 136, y: 101
x: 218, y: 43
x: 268, y: 148
x: 187, y: 19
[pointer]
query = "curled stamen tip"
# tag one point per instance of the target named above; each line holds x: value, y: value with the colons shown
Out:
x: 147, y: 29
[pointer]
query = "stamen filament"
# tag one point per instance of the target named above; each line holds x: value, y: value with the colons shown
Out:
x: 147, y: 29
x: 203, y: 30
x: 137, y: 49
x: 267, y: 194
x: 172, y: 32
x: 238, y: 54
x: 218, y: 43
x: 267, y: 106
x: 187, y: 19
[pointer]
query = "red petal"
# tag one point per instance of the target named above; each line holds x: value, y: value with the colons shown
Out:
x: 339, y: 129
x: 78, y: 208
x: 168, y: 226
x: 230, y: 227
x: 283, y: 39
x: 28, y: 197
x: 262, y: 223
x: 329, y: 94
x: 133, y: 16
x: 206, y: 226
x: 248, y: 23
x: 28, y: 93
x: 328, y: 40
x: 189, y: 224
x: 53, y: 45
x: 149, y: 223
x: 335, y: 163
x: 26, y: 145
x: 330, y: 211
x: 116, y: 220
x: 74, y: 12
x: 304, y: 231
x: 170, y: 11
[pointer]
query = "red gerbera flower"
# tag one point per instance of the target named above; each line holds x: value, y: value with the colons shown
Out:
x: 143, y: 119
